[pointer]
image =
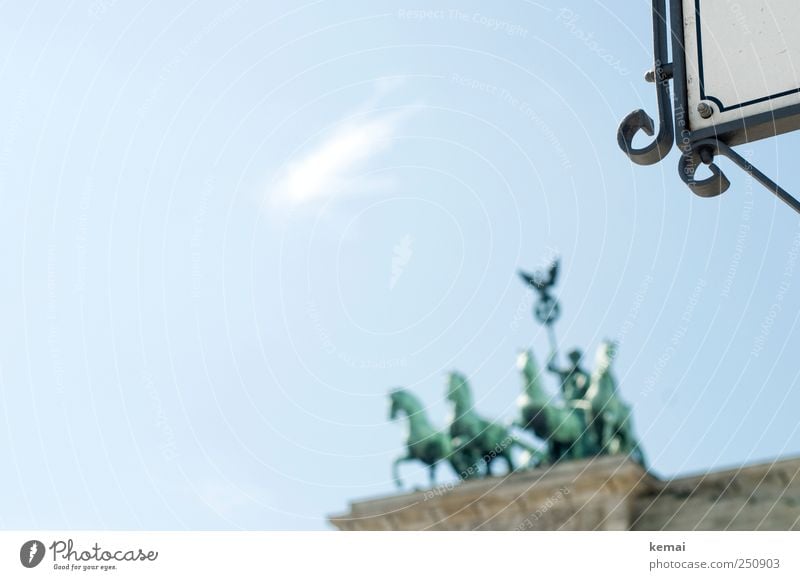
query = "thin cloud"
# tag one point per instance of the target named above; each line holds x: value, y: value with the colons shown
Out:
x: 335, y: 165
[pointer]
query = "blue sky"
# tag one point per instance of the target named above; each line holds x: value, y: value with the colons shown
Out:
x: 229, y: 229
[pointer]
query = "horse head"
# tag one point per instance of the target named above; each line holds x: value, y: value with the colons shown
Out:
x: 458, y: 390
x: 531, y: 377
x: 526, y: 364
x: 606, y: 353
x: 402, y: 400
x: 603, y: 385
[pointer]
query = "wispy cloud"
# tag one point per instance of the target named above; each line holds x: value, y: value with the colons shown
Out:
x: 335, y: 165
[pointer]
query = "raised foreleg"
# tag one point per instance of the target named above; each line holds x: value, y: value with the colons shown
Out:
x: 396, y: 468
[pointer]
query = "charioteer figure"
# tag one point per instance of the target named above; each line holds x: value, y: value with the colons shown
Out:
x: 574, y: 380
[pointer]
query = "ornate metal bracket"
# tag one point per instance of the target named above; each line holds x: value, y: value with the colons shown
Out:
x: 696, y: 149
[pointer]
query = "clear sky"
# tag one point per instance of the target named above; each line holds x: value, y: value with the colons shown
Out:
x: 228, y: 229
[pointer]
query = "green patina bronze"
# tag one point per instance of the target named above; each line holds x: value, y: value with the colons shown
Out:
x: 563, y: 425
x: 597, y: 423
x: 612, y: 417
x: 585, y: 419
x: 573, y: 379
x: 423, y: 442
x: 478, y: 442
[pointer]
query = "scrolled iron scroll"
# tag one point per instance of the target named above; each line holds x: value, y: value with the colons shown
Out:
x: 703, y: 153
x: 639, y: 120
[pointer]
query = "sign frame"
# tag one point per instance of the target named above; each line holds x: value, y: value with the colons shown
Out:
x: 698, y: 146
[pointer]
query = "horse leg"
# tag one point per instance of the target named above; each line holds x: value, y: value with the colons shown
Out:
x: 432, y: 474
x: 470, y: 464
x: 557, y: 451
x: 457, y: 463
x: 509, y: 461
x: 611, y: 436
x: 396, y: 469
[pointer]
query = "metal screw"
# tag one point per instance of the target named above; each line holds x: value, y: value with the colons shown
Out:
x: 705, y: 109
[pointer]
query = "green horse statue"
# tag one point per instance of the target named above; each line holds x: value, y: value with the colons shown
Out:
x: 423, y: 442
x: 564, y: 427
x: 476, y: 441
x: 612, y: 417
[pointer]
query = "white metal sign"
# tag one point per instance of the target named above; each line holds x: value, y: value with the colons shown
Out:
x: 742, y: 59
